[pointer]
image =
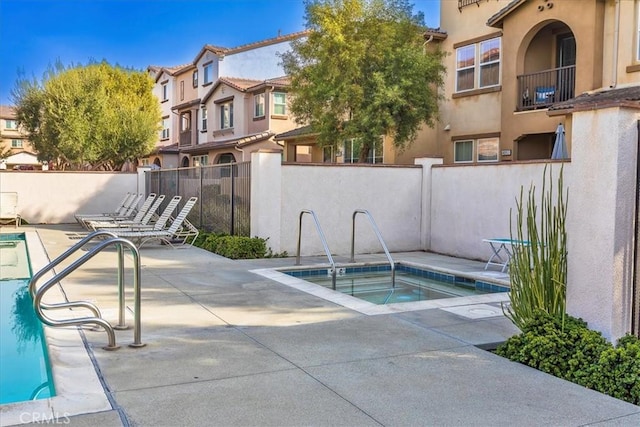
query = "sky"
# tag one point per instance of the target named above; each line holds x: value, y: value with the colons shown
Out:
x: 35, y: 34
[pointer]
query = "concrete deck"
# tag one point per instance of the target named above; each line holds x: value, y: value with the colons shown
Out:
x: 226, y: 346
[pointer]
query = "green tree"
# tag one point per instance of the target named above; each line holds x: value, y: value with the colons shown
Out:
x: 96, y: 116
x: 364, y: 71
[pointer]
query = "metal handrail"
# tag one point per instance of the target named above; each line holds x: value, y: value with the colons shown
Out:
x: 97, y: 319
x: 322, y: 239
x: 377, y: 231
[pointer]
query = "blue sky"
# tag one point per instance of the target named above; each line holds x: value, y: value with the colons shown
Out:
x: 138, y: 33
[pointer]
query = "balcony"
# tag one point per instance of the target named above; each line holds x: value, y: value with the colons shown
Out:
x: 186, y: 139
x: 463, y: 3
x: 544, y: 88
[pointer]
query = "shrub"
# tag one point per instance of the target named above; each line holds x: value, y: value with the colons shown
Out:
x: 235, y: 247
x: 566, y: 348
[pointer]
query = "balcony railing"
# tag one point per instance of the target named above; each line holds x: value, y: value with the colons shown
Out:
x: 185, y: 138
x: 463, y: 3
x: 545, y: 88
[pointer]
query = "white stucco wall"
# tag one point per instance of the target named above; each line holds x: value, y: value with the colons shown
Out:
x: 601, y: 218
x: 54, y: 197
x: 471, y: 203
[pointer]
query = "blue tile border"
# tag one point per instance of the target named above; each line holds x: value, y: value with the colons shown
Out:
x: 466, y: 282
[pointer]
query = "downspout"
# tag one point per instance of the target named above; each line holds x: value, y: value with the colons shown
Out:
x: 240, y: 150
x: 616, y: 42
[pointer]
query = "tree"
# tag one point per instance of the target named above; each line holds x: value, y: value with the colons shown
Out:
x: 96, y: 116
x: 363, y: 72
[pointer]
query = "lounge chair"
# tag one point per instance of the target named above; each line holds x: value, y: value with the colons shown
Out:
x: 179, y: 232
x: 9, y: 208
x: 159, y: 224
x: 126, y: 210
x: 144, y: 215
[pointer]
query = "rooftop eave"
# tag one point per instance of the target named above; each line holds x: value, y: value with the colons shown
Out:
x: 496, y: 20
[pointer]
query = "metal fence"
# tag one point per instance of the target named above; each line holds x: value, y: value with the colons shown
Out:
x: 223, y: 191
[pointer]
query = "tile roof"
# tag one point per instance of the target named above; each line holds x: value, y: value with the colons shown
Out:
x: 7, y: 111
x: 627, y: 96
x: 436, y: 33
x: 294, y: 133
x: 239, y: 142
x: 495, y: 20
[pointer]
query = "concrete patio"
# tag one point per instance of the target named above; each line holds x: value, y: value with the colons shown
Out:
x: 228, y: 347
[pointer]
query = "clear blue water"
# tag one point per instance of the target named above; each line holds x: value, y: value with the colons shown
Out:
x: 373, y: 283
x: 25, y: 372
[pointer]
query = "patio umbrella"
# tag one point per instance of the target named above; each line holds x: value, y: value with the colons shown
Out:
x: 560, y: 146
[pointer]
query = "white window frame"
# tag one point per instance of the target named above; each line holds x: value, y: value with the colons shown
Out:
x: 207, y: 70
x: 165, y: 128
x: 258, y: 105
x: 478, y: 65
x: 203, y: 117
x: 10, y: 124
x: 282, y: 104
x: 194, y: 79
x: 466, y: 141
x: 16, y: 143
x: 201, y: 160
x: 165, y: 91
x: 226, y: 115
x: 495, y: 140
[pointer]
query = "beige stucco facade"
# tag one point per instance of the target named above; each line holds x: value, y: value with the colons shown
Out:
x: 534, y: 37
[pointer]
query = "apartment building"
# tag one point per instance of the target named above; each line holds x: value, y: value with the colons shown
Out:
x: 511, y: 63
x: 222, y: 106
x: 15, y: 148
x: 512, y: 66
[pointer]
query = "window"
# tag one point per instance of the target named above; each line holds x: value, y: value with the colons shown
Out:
x: 258, y: 102
x: 10, y: 124
x: 463, y: 151
x: 226, y: 115
x: 165, y: 128
x: 279, y: 103
x: 194, y: 78
x: 479, y: 59
x: 328, y: 155
x: 16, y: 143
x: 165, y: 91
x: 181, y: 90
x: 201, y: 160
x: 203, y: 114
x: 488, y: 149
x: 208, y: 73
x: 353, y: 148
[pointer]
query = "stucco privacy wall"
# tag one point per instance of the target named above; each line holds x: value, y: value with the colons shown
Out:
x: 471, y: 203
x: 392, y: 195
x: 600, y: 219
x: 54, y: 197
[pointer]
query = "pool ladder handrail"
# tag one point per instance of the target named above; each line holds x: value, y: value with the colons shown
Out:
x: 377, y: 232
x: 37, y: 294
x: 322, y: 239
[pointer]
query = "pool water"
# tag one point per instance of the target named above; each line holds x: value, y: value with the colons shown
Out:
x: 25, y: 372
x: 373, y: 283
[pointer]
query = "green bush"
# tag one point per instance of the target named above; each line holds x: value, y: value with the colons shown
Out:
x: 235, y: 247
x: 566, y: 348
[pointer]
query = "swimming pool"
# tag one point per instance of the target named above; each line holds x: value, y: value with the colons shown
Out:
x: 25, y: 371
x: 372, y: 283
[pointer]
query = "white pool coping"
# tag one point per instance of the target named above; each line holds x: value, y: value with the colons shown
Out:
x: 78, y: 387
x: 371, y: 309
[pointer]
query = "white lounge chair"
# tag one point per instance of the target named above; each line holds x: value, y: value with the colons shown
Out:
x: 179, y: 232
x: 159, y: 224
x: 125, y: 211
x: 9, y: 208
x: 144, y: 215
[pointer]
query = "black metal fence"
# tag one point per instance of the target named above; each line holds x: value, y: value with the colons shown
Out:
x: 223, y: 191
